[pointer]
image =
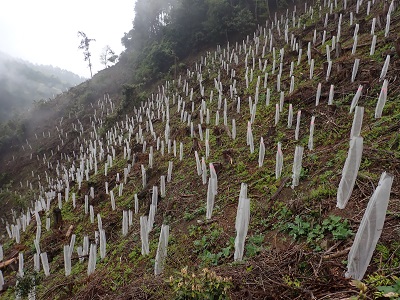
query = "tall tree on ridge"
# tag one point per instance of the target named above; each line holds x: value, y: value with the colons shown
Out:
x: 108, y: 56
x: 85, y: 42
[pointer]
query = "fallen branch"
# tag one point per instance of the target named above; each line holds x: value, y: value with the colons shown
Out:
x: 337, y: 254
x: 7, y: 262
x: 283, y: 183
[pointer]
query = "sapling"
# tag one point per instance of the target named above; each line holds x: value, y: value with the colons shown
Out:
x: 296, y: 170
x: 203, y: 170
x: 91, y: 214
x: 318, y: 95
x: 387, y: 27
x: 36, y: 261
x: 21, y: 264
x: 373, y: 26
x: 357, y: 122
x: 355, y: 69
x: 103, y: 244
x: 267, y: 97
x: 59, y: 201
x: 151, y: 157
x: 207, y: 144
x: 67, y: 260
x: 356, y: 98
x: 279, y: 161
x: 328, y: 70
x: 261, y: 153
x: 130, y: 217
x: 38, y: 232
x: 370, y: 229
x: 181, y: 144
x: 169, y: 175
x: 85, y: 247
x: 233, y: 129
x: 331, y: 94
x: 276, y: 114
x: 373, y: 44
x: 154, y: 197
x: 210, y: 200
x: 281, y: 101
x: 45, y: 263
x: 112, y: 198
x: 299, y: 57
x: 144, y: 179
x: 291, y: 89
x: 136, y: 200
x: 72, y: 244
x: 201, y: 131
x: 198, y: 164
x: 242, y: 223
x: 253, y: 113
x: 291, y: 69
x: 297, y: 131
x: 385, y: 68
x: 353, y: 50
x: 92, y: 259
x: 290, y: 116
x: 1, y: 280
x: 250, y: 139
x: 349, y: 172
x: 312, y: 68
x: 124, y: 222
x: 311, y: 137
x: 144, y: 235
x: 161, y: 250
x: 214, y: 179
x: 381, y: 100
x: 162, y: 186
x: 150, y: 220
x: 265, y: 80
x: 328, y: 53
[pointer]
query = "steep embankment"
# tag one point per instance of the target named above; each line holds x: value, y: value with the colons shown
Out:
x: 297, y: 240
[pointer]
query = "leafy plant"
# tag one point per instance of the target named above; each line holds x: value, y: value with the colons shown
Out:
x: 304, y: 228
x: 363, y: 290
x: 253, y: 245
x: 338, y: 227
x: 206, y: 285
x: 391, y: 291
x: 27, y: 283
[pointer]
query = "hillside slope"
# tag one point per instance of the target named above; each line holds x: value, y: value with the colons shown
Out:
x: 221, y: 109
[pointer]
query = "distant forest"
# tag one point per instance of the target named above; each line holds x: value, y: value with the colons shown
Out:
x: 22, y: 83
x: 167, y: 31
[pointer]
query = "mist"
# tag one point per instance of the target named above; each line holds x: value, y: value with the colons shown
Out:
x: 22, y: 83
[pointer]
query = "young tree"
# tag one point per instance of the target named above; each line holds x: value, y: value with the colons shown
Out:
x: 85, y: 42
x: 108, y: 56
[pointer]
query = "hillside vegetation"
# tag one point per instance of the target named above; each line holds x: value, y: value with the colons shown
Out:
x: 158, y: 173
x: 22, y: 83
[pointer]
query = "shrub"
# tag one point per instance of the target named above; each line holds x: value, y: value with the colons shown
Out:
x: 26, y: 284
x: 207, y: 285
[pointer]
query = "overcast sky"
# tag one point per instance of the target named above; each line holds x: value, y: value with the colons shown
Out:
x: 45, y: 31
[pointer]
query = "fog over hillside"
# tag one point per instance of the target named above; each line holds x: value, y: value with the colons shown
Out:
x: 22, y: 83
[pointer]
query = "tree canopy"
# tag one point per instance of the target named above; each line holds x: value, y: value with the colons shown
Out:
x: 167, y: 31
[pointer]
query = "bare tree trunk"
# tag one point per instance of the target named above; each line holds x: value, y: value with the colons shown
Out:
x: 90, y: 68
